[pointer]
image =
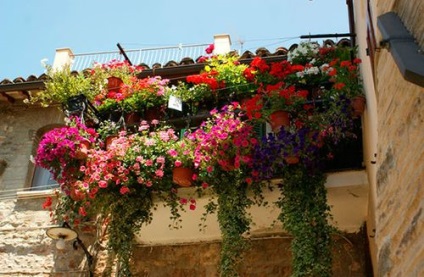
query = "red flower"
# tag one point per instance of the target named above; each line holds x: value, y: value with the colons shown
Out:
x: 210, y: 48
x: 249, y: 74
x: 333, y: 62
x: 297, y: 68
x: 48, y: 203
x: 124, y: 190
x: 253, y: 107
x: 332, y: 72
x: 271, y: 88
x: 345, y: 64
x: 82, y: 211
x: 339, y: 86
x: 302, y: 93
x: 357, y: 61
x: 259, y: 64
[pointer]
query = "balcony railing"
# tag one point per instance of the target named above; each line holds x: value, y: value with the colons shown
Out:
x: 148, y: 56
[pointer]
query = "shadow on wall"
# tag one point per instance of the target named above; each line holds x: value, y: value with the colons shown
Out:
x: 3, y: 165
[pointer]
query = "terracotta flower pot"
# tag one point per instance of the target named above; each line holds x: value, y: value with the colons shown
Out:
x: 114, y: 83
x: 82, y: 150
x: 292, y: 159
x: 182, y: 176
x: 358, y: 105
x: 109, y: 140
x: 279, y: 119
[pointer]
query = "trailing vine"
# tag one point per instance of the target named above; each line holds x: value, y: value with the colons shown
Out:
x: 305, y: 214
x: 233, y: 220
x: 127, y: 215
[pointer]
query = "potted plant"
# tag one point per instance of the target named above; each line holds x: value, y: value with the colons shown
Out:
x: 222, y: 155
x: 108, y: 131
x: 181, y: 153
x: 118, y: 184
x: 281, y: 103
x: 62, y: 85
x: 113, y: 79
x: 59, y: 151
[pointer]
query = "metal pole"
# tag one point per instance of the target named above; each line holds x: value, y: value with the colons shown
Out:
x: 123, y: 53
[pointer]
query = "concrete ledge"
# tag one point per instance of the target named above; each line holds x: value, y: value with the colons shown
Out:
x: 32, y: 194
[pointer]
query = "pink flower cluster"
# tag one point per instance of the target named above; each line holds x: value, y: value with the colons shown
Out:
x: 224, y: 141
x: 58, y: 148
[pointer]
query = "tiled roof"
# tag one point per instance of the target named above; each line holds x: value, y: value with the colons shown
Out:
x: 18, y: 89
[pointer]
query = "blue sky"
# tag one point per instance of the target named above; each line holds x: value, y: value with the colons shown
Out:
x: 32, y: 30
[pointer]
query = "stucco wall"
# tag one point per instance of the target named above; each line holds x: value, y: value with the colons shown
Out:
x: 400, y: 157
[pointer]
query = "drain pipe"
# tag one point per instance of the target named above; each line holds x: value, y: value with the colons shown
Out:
x: 351, y: 16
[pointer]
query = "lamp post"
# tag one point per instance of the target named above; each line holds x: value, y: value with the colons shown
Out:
x: 66, y: 233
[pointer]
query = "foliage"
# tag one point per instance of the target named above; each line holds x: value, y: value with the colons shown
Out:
x: 305, y: 215
x: 63, y: 84
x: 108, y: 128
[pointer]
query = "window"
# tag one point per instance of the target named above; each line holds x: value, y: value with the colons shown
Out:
x: 38, y: 177
x: 42, y: 179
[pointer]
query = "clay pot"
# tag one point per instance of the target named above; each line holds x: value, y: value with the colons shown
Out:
x: 358, y: 105
x: 292, y: 159
x: 109, y: 140
x: 82, y: 151
x: 182, y: 176
x: 279, y: 119
x: 114, y: 83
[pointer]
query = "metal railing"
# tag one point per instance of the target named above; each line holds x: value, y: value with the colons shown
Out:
x: 148, y: 56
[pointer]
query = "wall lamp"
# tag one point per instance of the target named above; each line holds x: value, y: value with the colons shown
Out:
x: 66, y: 233
x: 403, y: 47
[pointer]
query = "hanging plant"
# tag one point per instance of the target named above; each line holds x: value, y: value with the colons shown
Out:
x: 305, y: 215
x: 222, y: 156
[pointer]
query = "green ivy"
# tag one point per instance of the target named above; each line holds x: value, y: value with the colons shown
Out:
x: 305, y: 215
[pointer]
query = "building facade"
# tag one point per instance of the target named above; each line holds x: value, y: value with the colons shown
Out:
x: 379, y: 208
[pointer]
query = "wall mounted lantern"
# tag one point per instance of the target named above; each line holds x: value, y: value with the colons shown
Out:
x: 402, y: 45
x: 66, y: 233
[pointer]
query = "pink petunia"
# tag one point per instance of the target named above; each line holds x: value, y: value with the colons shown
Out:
x: 159, y: 173
x: 124, y: 190
x: 160, y: 160
x: 172, y: 152
x: 103, y: 184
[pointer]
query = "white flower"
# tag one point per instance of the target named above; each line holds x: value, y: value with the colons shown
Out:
x: 312, y: 70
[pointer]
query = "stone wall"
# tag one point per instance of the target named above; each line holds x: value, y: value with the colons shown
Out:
x: 26, y: 250
x: 400, y: 158
x: 18, y: 126
x: 268, y: 256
